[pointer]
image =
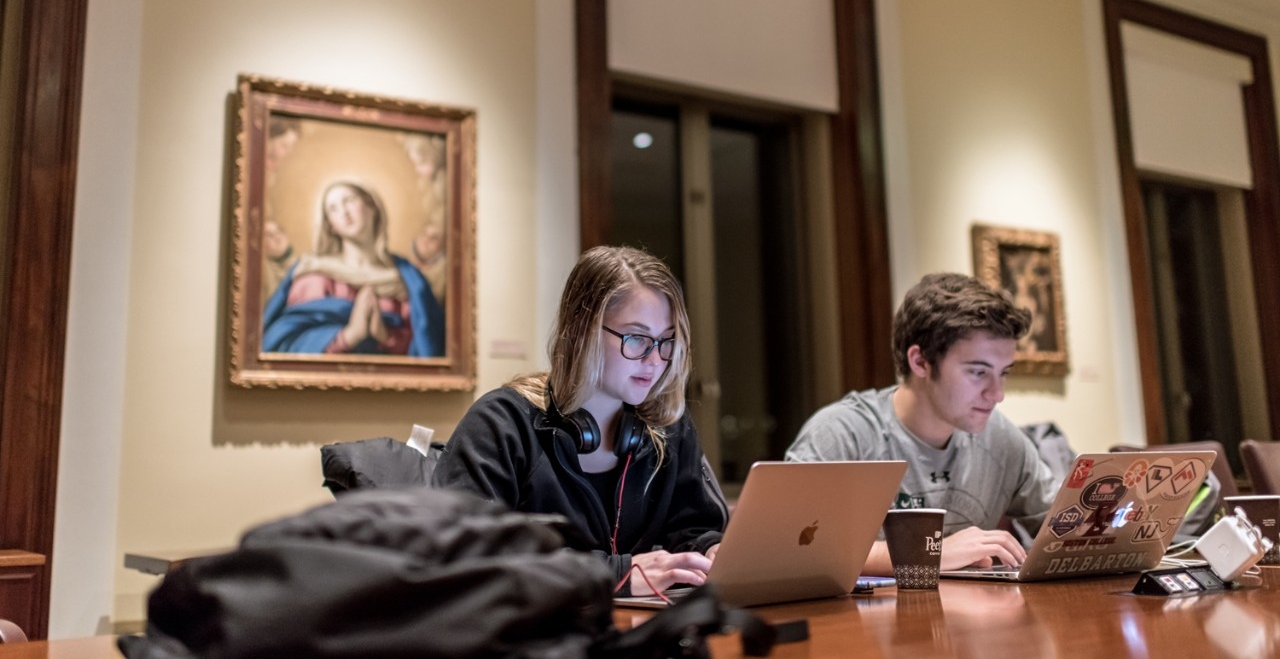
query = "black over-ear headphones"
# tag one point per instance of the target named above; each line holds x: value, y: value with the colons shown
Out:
x: 585, y: 432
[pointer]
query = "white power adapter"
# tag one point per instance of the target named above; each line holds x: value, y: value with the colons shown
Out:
x: 1232, y: 546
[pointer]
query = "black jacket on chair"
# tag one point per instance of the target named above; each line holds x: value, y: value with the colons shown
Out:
x: 381, y: 462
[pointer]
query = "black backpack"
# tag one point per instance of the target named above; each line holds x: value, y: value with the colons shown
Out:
x: 412, y: 573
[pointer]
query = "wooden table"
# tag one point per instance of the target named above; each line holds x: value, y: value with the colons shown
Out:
x: 1070, y: 619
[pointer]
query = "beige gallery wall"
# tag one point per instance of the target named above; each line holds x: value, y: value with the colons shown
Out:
x: 998, y: 112
x: 991, y: 117
x: 200, y: 460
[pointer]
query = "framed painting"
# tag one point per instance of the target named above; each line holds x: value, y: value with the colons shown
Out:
x: 353, y: 256
x: 1027, y: 264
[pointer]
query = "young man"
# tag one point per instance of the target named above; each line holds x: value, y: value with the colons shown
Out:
x: 953, y: 342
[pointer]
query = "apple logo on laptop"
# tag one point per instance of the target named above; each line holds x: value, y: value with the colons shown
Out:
x: 807, y: 533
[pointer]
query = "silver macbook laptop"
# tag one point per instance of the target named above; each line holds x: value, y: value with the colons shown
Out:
x: 800, y: 530
x: 1115, y: 513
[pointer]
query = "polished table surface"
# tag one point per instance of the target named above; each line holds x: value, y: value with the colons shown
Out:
x: 1071, y: 619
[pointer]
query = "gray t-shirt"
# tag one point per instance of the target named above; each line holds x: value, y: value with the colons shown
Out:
x: 976, y: 478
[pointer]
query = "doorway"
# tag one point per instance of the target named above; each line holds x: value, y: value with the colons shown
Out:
x: 1201, y: 319
x: 715, y: 194
x: 1258, y: 239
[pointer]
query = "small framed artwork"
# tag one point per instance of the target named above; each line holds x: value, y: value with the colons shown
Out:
x: 353, y: 255
x: 1027, y: 264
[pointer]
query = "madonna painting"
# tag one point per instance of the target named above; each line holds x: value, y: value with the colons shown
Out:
x: 354, y: 255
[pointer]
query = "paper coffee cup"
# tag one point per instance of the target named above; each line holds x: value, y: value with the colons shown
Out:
x: 915, y: 546
x: 1263, y: 511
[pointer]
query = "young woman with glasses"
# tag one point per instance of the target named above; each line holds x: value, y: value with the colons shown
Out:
x: 604, y: 438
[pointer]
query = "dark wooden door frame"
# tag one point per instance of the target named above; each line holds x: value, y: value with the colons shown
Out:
x: 595, y: 93
x: 1262, y: 203
x: 858, y: 187
x: 38, y: 219
x: 866, y: 307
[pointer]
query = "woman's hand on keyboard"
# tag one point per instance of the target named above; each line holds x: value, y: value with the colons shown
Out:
x: 662, y: 569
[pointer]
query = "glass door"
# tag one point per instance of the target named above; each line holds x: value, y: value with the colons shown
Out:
x: 715, y: 195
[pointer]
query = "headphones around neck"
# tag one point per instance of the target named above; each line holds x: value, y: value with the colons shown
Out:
x: 585, y: 432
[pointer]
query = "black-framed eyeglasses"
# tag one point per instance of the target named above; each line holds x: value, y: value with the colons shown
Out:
x: 638, y: 346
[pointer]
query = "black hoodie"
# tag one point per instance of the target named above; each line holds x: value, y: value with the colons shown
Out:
x: 506, y: 450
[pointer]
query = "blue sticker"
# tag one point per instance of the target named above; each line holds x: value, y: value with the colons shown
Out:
x: 1066, y: 521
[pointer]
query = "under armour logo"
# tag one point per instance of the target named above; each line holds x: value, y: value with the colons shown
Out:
x: 946, y: 476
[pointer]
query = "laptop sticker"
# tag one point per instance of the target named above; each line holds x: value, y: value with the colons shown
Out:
x: 1066, y: 521
x: 1158, y: 474
x: 1105, y: 491
x: 1155, y: 529
x: 1133, y: 512
x: 1171, y: 481
x: 1184, y: 475
x: 1083, y: 544
x: 1080, y: 473
x: 1135, y: 474
x: 1100, y: 520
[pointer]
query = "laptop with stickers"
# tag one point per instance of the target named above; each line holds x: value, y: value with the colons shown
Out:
x: 1115, y: 513
x: 800, y: 530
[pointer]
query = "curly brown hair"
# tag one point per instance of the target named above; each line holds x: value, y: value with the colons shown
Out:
x: 946, y: 307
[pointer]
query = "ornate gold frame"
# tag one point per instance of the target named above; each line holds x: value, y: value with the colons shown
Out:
x: 341, y: 135
x: 1028, y: 265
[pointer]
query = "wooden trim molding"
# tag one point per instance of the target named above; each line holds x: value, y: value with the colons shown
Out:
x: 19, y: 558
x: 39, y: 219
x: 861, y: 218
x: 595, y: 92
x: 1135, y: 233
x: 1262, y: 203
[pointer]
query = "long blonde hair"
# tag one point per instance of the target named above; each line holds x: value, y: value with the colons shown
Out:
x: 603, y: 280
